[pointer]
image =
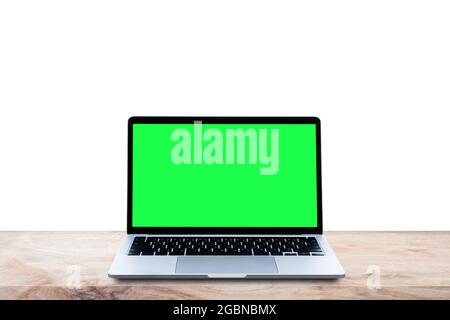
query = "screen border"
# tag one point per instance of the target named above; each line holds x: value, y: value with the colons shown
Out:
x: 223, y: 230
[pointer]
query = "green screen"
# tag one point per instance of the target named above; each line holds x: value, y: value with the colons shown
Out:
x: 224, y: 175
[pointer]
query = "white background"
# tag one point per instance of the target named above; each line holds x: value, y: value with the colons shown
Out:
x: 376, y: 72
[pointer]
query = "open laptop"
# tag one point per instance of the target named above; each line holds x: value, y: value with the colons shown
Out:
x: 224, y: 197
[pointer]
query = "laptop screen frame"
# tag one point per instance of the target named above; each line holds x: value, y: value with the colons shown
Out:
x: 224, y: 230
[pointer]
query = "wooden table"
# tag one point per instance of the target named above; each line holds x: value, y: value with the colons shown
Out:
x: 74, y: 265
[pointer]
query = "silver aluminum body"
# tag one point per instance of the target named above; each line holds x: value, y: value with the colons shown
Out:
x: 308, y: 267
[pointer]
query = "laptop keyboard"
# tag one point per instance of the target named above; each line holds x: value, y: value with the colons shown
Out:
x: 228, y: 246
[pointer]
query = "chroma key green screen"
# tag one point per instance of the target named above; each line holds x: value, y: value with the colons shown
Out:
x: 224, y: 175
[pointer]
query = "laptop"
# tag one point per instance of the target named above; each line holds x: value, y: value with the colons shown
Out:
x: 224, y: 197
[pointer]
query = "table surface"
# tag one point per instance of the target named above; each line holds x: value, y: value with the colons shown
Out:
x: 74, y: 265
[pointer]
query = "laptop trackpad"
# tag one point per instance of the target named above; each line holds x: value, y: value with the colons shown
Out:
x: 228, y: 264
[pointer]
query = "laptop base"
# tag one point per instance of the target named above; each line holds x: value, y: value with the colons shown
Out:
x: 288, y: 267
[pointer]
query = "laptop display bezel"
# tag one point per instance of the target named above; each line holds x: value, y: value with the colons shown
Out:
x: 223, y: 230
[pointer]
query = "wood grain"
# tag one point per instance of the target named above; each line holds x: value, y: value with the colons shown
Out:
x: 45, y: 265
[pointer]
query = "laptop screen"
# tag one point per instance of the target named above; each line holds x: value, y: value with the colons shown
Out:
x: 224, y: 175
